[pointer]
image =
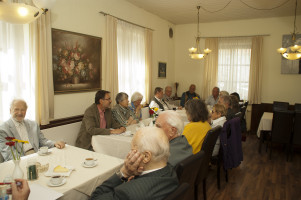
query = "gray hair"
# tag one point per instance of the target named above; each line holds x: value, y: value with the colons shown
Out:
x: 136, y: 96
x: 121, y: 96
x: 227, y: 99
x: 15, y: 101
x: 153, y: 139
x: 174, y: 120
x: 223, y: 93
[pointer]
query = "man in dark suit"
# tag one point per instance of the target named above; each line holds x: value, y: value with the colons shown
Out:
x: 173, y: 126
x: 157, y: 101
x: 145, y: 173
x: 97, y: 120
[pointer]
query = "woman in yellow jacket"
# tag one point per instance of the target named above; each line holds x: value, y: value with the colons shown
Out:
x: 198, y: 126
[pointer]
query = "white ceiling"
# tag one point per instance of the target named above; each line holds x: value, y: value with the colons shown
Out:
x: 185, y: 11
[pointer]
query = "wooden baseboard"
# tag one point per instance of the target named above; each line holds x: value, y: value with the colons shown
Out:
x: 62, y: 121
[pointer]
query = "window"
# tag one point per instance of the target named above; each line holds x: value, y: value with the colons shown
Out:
x: 131, y: 58
x: 17, y: 73
x: 234, y: 56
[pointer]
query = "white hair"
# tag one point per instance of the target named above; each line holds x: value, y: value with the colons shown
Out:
x: 15, y: 101
x: 154, y: 140
x: 136, y: 96
x: 223, y: 93
x: 174, y: 120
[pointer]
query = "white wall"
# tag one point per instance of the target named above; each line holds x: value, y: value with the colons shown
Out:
x: 275, y: 86
x: 82, y: 16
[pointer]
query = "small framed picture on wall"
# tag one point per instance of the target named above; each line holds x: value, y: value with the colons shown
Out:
x: 162, y: 70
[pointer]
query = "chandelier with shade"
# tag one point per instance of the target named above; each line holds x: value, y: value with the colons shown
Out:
x: 23, y: 11
x: 195, y: 52
x: 293, y: 52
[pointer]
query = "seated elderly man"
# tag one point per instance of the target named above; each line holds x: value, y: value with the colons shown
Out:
x: 147, y: 162
x: 168, y: 99
x: 173, y: 126
x: 136, y: 105
x: 213, y: 99
x: 157, y: 101
x: 122, y: 113
x: 23, y: 129
x: 190, y: 94
x: 98, y: 120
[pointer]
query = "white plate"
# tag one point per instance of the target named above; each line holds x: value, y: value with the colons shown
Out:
x: 50, y: 171
x: 89, y: 166
x: 44, y: 154
x: 52, y: 185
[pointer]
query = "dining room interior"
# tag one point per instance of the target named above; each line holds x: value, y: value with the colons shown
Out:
x: 270, y: 168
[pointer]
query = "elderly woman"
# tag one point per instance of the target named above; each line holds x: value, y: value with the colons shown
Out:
x: 135, y: 105
x: 198, y: 126
x: 121, y: 112
x: 218, y: 119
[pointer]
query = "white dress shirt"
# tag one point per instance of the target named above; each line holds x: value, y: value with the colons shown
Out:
x: 21, y: 128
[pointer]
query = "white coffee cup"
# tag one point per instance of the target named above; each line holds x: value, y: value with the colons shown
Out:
x: 90, y: 161
x: 56, y: 180
x: 43, y: 150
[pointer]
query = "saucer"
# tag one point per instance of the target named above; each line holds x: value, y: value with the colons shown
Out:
x: 52, y: 185
x: 44, y: 154
x: 89, y: 166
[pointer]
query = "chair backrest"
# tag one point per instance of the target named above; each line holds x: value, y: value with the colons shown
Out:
x: 243, y: 111
x: 278, y: 105
x: 298, y: 107
x: 297, y: 129
x: 187, y: 171
x: 282, y: 126
x: 231, y: 146
x: 179, y: 193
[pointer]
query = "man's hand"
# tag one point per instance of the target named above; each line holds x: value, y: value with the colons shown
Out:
x: 131, y: 165
x: 59, y: 144
x: 20, y: 192
x: 118, y: 131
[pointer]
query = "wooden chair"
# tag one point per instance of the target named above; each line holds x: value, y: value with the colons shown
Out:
x: 207, y: 147
x: 296, y: 137
x: 187, y: 171
x: 298, y: 107
x: 179, y: 193
x: 282, y: 127
x: 278, y: 105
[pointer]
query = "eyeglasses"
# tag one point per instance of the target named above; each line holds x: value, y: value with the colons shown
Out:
x: 109, y: 99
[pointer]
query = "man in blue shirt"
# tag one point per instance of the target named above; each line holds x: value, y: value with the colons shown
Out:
x: 190, y: 94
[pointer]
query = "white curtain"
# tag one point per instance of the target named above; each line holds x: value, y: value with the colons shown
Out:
x: 211, y: 67
x: 256, y: 71
x: 234, y: 56
x: 111, y: 68
x: 17, y: 69
x: 148, y: 65
x: 131, y: 58
x: 40, y: 37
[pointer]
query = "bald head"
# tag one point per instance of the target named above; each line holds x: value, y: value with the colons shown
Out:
x: 168, y: 91
x: 18, y: 108
x: 192, y: 88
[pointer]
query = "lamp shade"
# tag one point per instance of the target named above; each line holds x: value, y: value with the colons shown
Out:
x: 44, y: 3
x: 292, y: 56
x: 18, y: 13
x: 197, y: 56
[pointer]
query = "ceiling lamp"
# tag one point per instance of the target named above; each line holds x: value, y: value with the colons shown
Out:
x: 292, y: 52
x: 195, y: 52
x: 21, y: 12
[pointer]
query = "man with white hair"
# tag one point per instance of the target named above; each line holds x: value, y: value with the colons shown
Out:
x: 23, y: 129
x: 168, y: 99
x: 145, y: 173
x: 173, y: 126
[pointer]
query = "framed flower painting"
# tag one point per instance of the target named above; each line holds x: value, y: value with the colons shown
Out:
x: 76, y: 60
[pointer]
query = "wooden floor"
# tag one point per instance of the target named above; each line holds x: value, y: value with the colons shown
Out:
x: 258, y: 177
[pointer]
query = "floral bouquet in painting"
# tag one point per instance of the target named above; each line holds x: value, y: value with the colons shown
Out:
x: 12, y: 143
x: 73, y: 65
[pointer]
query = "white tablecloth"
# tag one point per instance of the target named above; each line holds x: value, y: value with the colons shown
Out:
x: 265, y: 122
x: 82, y: 181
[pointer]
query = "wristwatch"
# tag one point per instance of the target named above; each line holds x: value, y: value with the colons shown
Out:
x: 120, y: 175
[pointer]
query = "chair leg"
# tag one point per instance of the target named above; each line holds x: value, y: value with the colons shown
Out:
x: 260, y: 141
x: 226, y: 171
x: 271, y: 147
x: 218, y: 175
x: 204, y: 189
